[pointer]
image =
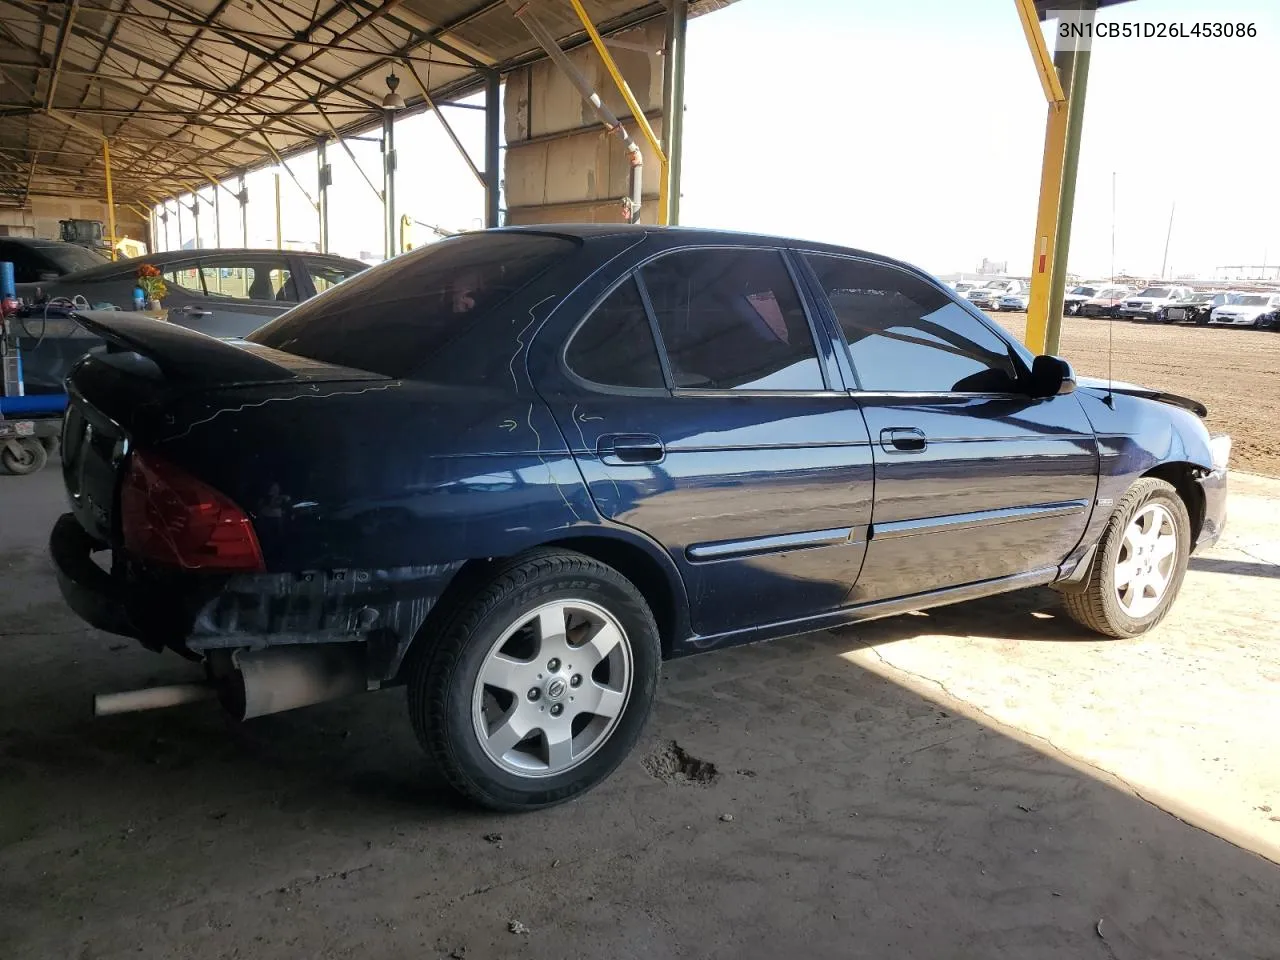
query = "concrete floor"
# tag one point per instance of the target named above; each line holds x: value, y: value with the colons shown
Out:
x: 967, y: 783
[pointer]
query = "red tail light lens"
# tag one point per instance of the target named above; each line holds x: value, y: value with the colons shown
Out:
x: 169, y: 516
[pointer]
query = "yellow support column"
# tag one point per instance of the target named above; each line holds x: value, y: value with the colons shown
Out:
x: 111, y: 200
x: 1055, y: 141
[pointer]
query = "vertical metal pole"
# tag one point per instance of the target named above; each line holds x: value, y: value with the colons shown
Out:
x: 492, y: 175
x: 1113, y: 226
x: 673, y: 112
x: 217, y: 219
x: 177, y: 216
x: 195, y: 215
x: 1067, y: 200
x: 1169, y: 236
x: 244, y: 213
x: 389, y: 241
x: 325, y: 175
x: 106, y: 165
x: 279, y: 223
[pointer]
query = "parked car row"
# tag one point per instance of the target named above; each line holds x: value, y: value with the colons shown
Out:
x: 1162, y: 304
x: 993, y: 294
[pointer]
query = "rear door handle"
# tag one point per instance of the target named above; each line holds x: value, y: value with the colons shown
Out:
x: 903, y: 440
x: 619, y: 449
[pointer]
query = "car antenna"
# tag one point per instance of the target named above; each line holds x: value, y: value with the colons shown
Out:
x: 1110, y: 398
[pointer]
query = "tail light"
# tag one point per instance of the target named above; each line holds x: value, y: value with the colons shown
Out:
x: 169, y: 516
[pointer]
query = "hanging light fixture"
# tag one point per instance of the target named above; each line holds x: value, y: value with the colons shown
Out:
x: 393, y: 100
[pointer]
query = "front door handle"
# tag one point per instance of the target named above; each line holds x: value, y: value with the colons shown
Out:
x: 903, y: 440
x: 621, y: 449
x: 190, y: 311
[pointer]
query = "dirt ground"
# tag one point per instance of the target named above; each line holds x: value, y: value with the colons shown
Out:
x: 983, y: 782
x: 1235, y: 372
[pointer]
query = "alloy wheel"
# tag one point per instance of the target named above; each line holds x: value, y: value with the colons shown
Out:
x: 1146, y: 562
x: 552, y: 688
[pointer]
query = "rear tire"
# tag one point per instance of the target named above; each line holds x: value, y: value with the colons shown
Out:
x: 540, y: 684
x: 1139, y: 565
x: 29, y: 457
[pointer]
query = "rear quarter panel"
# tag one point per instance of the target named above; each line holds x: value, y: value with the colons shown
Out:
x: 381, y: 475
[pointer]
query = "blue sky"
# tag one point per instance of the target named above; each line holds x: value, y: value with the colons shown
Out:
x: 913, y: 129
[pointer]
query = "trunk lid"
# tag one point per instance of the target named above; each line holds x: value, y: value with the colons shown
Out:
x: 126, y: 394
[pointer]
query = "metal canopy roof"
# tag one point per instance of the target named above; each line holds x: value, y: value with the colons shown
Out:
x: 189, y: 90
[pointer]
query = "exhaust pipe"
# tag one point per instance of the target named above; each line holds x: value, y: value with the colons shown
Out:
x: 283, y: 678
x: 255, y: 683
x: 151, y: 698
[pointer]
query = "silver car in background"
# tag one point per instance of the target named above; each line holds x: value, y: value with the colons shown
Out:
x: 222, y: 293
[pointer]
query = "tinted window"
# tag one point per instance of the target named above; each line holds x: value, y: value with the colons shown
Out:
x: 325, y: 275
x: 392, y: 318
x: 187, y: 277
x: 614, y: 345
x: 906, y: 335
x: 264, y: 280
x: 70, y: 258
x: 731, y: 319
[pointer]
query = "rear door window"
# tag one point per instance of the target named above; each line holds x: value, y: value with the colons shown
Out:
x: 614, y: 346
x: 730, y: 319
x: 326, y: 275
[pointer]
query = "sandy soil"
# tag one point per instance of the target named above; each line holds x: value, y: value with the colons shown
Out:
x: 1234, y: 372
x: 982, y: 782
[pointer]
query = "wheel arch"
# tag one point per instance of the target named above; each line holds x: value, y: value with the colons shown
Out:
x: 649, y: 569
x: 1181, y: 475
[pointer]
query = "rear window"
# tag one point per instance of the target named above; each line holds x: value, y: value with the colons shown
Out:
x: 390, y: 319
x: 70, y: 258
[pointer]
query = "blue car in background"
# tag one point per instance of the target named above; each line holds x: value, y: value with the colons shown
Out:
x: 516, y: 469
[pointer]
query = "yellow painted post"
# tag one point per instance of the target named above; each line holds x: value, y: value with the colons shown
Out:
x: 1048, y: 69
x: 1055, y: 141
x: 111, y: 200
x: 632, y: 104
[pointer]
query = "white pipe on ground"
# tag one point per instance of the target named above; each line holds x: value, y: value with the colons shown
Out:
x: 151, y: 698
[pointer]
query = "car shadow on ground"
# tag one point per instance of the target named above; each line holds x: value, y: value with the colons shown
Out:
x: 1025, y: 616
x: 1244, y: 568
x: 843, y: 809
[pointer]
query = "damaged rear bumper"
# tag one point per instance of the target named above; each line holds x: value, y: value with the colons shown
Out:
x: 88, y: 589
x: 197, y: 613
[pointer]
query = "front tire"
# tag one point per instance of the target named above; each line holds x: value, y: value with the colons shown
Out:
x: 1139, y: 566
x: 540, y: 684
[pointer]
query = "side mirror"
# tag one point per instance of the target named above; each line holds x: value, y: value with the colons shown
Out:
x: 1052, y: 377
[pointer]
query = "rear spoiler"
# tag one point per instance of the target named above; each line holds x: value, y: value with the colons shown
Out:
x: 197, y: 359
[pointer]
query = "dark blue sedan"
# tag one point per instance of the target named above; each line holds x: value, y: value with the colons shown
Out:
x: 516, y: 469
